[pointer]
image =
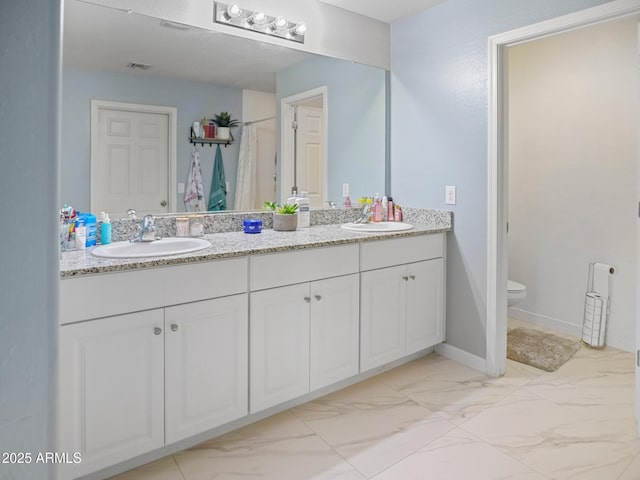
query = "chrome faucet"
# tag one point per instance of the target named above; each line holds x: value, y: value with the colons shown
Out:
x: 148, y: 232
x: 365, y: 216
x: 331, y: 204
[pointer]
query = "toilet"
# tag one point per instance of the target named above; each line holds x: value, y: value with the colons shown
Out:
x: 516, y: 292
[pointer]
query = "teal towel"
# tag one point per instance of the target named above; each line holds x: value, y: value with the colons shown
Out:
x: 218, y: 195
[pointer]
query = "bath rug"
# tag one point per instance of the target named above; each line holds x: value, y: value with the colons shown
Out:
x: 539, y: 349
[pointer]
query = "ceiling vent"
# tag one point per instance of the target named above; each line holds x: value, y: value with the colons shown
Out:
x: 139, y: 66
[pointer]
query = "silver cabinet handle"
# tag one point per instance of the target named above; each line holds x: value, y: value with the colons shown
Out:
x: 405, y: 278
x: 307, y: 299
x: 412, y: 277
x: 163, y: 203
x: 157, y: 331
x: 174, y: 327
x: 318, y: 297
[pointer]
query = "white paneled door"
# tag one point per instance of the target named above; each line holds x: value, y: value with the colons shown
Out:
x: 130, y: 160
x: 310, y: 156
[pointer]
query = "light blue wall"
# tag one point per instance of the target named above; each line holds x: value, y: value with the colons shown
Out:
x: 356, y: 131
x: 193, y: 100
x: 439, y: 133
x: 29, y: 109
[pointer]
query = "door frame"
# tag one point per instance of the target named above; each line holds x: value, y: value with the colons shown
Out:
x: 287, y: 115
x: 172, y: 155
x: 497, y: 162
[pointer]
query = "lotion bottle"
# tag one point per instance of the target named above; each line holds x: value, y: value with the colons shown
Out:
x: 304, y: 214
x: 105, y: 235
x: 377, y: 209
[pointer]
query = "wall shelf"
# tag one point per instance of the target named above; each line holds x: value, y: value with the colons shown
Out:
x: 208, y: 141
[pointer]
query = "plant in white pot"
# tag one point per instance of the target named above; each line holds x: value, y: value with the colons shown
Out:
x: 285, y: 217
x: 224, y: 122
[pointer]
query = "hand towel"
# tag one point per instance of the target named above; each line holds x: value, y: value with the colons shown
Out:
x: 218, y: 194
x: 194, y: 193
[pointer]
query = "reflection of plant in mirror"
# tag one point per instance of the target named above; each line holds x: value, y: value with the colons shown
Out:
x: 270, y: 206
x: 225, y: 120
x: 287, y: 209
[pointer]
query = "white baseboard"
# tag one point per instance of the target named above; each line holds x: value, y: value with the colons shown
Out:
x: 626, y: 344
x: 465, y: 358
x: 545, y: 321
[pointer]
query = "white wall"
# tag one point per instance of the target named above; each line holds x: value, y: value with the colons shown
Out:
x: 573, y: 174
x: 256, y: 106
x: 439, y: 97
x: 29, y: 153
x: 331, y: 31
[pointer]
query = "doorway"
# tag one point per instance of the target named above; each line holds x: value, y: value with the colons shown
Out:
x: 497, y: 214
x: 304, y: 145
x: 133, y: 158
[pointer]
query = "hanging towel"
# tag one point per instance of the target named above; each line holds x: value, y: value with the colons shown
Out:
x: 194, y: 193
x: 218, y: 195
x: 246, y: 178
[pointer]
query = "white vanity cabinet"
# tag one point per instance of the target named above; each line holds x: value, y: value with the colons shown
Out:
x: 111, y: 389
x: 304, y: 336
x: 402, y: 298
x: 131, y: 383
x: 206, y: 365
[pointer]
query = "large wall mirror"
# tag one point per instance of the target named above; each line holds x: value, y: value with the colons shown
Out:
x: 340, y: 109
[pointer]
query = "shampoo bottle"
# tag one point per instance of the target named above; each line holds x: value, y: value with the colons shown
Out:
x: 105, y: 237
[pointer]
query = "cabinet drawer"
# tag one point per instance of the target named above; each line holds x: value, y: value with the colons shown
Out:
x: 109, y: 294
x: 398, y: 251
x: 279, y: 269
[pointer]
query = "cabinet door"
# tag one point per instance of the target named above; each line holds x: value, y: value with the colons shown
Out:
x: 382, y: 316
x: 425, y: 305
x: 206, y: 363
x: 279, y: 345
x: 111, y: 389
x: 334, y: 330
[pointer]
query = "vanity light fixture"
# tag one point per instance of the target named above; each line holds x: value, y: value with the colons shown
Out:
x: 257, y: 21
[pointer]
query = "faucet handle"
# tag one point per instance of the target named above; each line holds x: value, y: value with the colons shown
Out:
x: 131, y: 214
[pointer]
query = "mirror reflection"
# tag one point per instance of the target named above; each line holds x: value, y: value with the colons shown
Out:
x: 126, y: 127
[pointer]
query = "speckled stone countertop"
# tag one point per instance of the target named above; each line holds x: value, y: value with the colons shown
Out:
x: 236, y: 244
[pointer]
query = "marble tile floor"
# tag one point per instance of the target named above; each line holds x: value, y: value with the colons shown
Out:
x: 436, y: 419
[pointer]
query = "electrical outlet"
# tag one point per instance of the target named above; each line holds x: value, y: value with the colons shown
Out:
x: 345, y: 189
x: 227, y: 185
x: 180, y: 187
x: 450, y: 195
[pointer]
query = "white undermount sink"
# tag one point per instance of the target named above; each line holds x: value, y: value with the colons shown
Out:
x: 157, y: 248
x: 377, y: 227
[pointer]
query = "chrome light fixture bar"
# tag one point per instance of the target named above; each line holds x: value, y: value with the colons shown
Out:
x: 256, y: 21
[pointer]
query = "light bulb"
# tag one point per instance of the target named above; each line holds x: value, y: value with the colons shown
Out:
x: 258, y: 18
x: 234, y: 10
x: 280, y: 24
x: 300, y: 28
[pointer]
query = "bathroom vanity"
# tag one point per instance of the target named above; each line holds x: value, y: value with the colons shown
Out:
x: 160, y: 354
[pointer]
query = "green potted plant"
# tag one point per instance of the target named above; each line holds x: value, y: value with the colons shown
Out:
x: 224, y: 122
x: 285, y: 217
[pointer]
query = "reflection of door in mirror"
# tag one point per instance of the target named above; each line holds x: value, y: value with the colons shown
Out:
x: 304, y: 145
x: 309, y: 157
x: 130, y: 158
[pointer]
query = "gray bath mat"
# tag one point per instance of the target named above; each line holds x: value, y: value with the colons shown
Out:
x: 539, y: 349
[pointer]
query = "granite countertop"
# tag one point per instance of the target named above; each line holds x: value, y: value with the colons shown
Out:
x: 236, y: 244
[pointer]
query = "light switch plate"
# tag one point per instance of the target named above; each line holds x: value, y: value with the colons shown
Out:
x: 180, y: 187
x: 450, y: 195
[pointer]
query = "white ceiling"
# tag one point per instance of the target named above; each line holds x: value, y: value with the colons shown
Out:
x: 384, y: 10
x: 108, y: 39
